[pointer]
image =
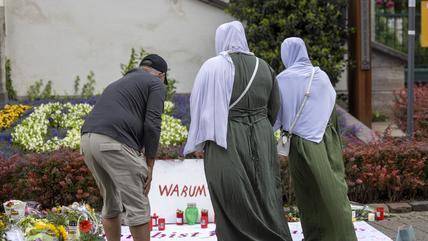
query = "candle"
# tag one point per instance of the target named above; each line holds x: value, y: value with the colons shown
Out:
x: 180, y: 217
x: 204, y: 222
x: 380, y: 212
x: 371, y: 217
x: 161, y: 224
x: 155, y: 220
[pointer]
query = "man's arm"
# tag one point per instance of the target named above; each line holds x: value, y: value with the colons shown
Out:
x: 152, y: 127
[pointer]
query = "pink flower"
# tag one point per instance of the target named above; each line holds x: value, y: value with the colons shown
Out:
x: 390, y: 4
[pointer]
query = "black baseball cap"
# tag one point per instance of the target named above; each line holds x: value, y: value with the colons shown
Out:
x: 156, y: 62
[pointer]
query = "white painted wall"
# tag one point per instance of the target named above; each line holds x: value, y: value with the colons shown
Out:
x: 58, y: 39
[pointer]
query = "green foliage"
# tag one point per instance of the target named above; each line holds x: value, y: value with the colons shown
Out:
x: 37, y: 91
x: 76, y: 85
x: 319, y: 23
x: 88, y: 88
x: 171, y: 88
x: 379, y: 117
x: 11, y: 93
x: 134, y: 60
x: 34, y: 91
x: 47, y: 92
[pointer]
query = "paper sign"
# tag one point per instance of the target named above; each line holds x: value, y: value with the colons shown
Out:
x: 175, y: 184
x: 364, y: 232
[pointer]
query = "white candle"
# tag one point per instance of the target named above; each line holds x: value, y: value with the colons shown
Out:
x: 371, y: 217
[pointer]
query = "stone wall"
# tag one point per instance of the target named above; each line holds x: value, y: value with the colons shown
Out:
x: 387, y: 75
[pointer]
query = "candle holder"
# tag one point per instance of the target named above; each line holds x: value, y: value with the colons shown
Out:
x: 180, y: 217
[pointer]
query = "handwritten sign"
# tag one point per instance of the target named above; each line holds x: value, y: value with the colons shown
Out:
x: 177, y: 183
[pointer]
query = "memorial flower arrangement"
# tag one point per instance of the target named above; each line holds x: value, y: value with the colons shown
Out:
x: 74, y: 222
x: 10, y: 114
x: 4, y: 221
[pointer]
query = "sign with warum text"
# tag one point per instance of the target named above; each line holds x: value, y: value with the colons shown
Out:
x: 175, y: 184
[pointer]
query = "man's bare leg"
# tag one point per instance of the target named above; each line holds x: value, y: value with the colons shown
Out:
x: 112, y: 228
x: 141, y: 232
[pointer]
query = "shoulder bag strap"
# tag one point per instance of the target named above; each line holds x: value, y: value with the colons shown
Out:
x: 248, y: 85
x: 305, y: 99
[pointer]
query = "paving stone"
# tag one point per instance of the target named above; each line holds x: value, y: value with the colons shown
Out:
x: 399, y: 207
x: 380, y: 205
x: 419, y: 205
x: 419, y: 221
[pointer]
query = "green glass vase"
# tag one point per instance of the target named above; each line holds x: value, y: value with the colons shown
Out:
x: 192, y: 214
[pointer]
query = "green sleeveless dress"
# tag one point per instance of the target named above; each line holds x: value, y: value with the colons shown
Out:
x: 244, y: 180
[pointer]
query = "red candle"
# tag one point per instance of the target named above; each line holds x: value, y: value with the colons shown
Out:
x: 161, y: 223
x: 204, y: 222
x: 380, y: 214
x: 204, y: 218
x: 155, y: 220
x: 180, y: 217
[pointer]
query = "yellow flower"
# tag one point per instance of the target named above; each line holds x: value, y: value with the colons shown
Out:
x: 63, y: 232
x: 10, y: 114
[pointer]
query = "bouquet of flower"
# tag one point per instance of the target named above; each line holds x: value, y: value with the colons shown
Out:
x: 74, y: 222
x: 4, y: 221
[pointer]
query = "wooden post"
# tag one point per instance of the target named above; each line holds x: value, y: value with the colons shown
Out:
x: 360, y: 76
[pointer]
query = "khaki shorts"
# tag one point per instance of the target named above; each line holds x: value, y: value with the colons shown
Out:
x: 120, y: 173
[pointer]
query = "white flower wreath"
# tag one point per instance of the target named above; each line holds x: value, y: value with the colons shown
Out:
x: 32, y: 133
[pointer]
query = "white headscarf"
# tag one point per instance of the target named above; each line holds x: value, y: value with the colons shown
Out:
x: 293, y: 83
x: 212, y: 90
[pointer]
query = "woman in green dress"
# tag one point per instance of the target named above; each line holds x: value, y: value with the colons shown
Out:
x: 234, y: 103
x: 315, y: 159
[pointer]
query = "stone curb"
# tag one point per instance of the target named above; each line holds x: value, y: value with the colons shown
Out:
x: 402, y: 207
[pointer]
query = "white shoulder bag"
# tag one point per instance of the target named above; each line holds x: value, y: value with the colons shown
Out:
x: 285, y: 139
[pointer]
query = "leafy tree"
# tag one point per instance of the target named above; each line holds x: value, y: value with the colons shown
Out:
x: 319, y: 22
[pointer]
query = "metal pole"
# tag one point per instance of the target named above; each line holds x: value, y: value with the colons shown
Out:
x: 410, y: 67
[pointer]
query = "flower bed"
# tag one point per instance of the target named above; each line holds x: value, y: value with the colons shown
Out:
x: 32, y: 134
x: 10, y: 114
x: 54, y: 125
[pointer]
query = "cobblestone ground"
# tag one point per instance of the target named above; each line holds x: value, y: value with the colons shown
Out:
x: 419, y: 221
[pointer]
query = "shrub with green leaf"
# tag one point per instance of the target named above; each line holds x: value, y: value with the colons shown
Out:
x: 134, y: 61
x: 11, y: 93
x: 88, y: 88
x: 37, y: 91
x: 320, y: 23
x: 58, y: 178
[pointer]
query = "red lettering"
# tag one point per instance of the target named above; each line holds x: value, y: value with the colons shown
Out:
x: 183, y: 235
x: 201, y: 191
x: 195, y: 234
x: 192, y: 193
x: 173, y: 235
x: 165, y: 190
x: 159, y: 235
x: 176, y: 190
x: 184, y: 191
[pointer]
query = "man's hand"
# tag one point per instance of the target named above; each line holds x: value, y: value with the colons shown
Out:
x: 148, y: 181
